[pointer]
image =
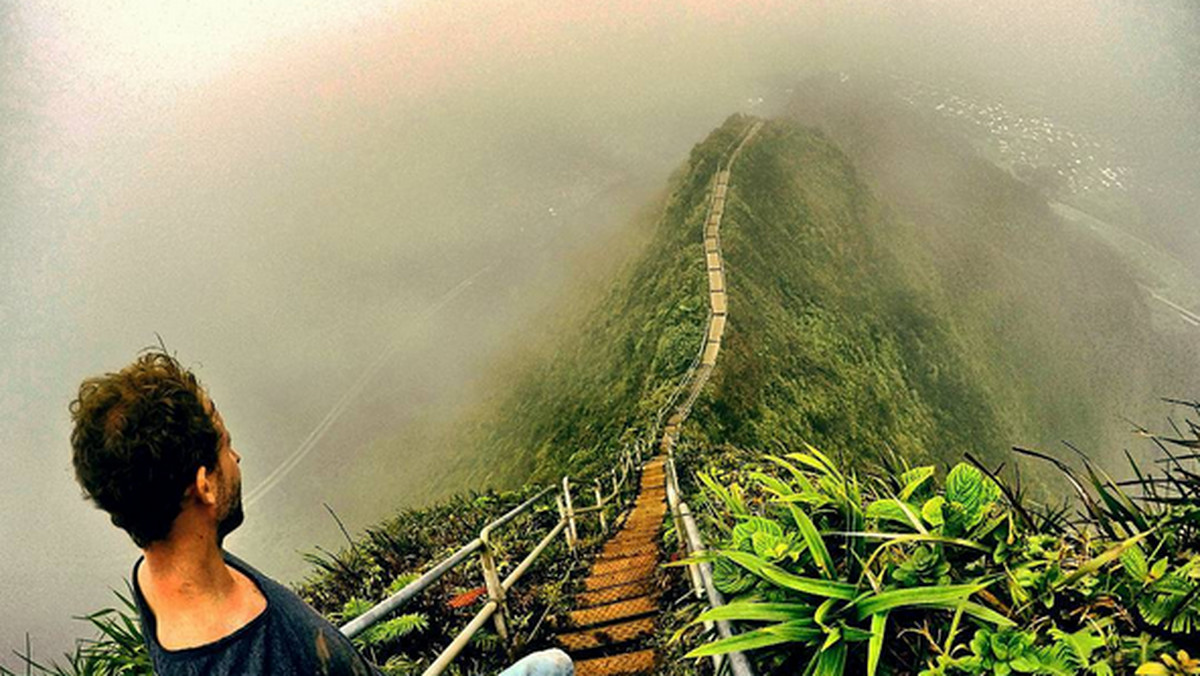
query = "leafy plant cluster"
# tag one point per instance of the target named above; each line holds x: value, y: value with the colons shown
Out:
x: 393, y: 554
x: 116, y: 650
x: 893, y: 572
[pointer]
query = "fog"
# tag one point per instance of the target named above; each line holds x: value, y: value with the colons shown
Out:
x: 340, y: 214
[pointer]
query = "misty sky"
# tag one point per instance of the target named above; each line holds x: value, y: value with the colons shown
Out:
x: 286, y: 191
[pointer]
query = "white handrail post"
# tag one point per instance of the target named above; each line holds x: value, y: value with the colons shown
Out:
x: 491, y: 578
x: 570, y: 512
x: 693, y: 549
x: 600, y: 504
x: 562, y: 514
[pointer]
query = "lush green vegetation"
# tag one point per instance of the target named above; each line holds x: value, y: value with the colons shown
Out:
x: 832, y: 569
x: 828, y: 342
x: 870, y: 326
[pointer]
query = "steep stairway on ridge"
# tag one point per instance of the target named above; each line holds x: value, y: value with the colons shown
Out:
x: 609, y: 631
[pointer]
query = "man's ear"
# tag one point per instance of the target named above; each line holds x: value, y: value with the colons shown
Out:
x: 204, y: 487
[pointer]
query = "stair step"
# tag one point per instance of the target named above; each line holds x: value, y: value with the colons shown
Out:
x: 611, y: 634
x: 640, y: 662
x: 615, y: 552
x: 642, y: 533
x: 615, y: 593
x: 620, y: 610
x: 623, y: 576
x: 613, y: 565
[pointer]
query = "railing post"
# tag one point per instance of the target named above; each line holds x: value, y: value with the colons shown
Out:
x: 600, y: 503
x: 693, y: 569
x: 570, y: 512
x: 491, y: 578
x: 562, y: 514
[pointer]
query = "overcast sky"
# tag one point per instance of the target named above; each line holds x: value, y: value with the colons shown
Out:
x: 285, y: 191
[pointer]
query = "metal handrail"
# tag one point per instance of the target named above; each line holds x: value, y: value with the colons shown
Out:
x: 494, y: 607
x: 739, y: 665
x: 384, y: 608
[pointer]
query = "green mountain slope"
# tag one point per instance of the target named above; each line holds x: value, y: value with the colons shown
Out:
x: 904, y: 295
x: 599, y: 373
x: 829, y: 343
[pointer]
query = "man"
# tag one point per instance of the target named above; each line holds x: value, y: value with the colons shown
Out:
x: 151, y: 449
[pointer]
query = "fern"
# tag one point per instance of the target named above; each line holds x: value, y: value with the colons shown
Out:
x: 397, y: 627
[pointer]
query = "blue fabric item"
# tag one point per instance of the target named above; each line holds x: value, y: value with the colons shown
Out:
x: 289, y: 637
x: 553, y: 662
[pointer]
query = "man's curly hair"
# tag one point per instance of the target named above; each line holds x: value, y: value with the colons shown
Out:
x: 140, y: 436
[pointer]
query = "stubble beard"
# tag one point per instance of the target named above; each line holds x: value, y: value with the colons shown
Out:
x: 234, y: 515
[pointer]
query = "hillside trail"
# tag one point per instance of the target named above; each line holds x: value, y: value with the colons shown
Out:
x: 613, y: 621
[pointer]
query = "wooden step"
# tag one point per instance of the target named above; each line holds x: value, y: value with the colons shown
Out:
x: 618, y: 550
x: 613, y: 565
x: 607, y: 635
x: 639, y: 536
x: 640, y: 662
x: 615, y: 593
x: 623, y: 576
x: 610, y: 612
x: 634, y: 540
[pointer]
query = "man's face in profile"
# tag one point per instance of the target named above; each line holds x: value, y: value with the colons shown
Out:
x: 229, y: 496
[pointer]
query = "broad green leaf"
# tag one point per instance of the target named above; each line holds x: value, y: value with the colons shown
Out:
x: 768, y: 545
x: 778, y: 576
x: 931, y: 511
x: 772, y: 484
x: 812, y: 538
x: 818, y: 461
x: 914, y: 596
x: 975, y: 610
x: 892, y: 509
x: 744, y: 531
x: 823, y: 458
x: 1081, y: 643
x: 761, y: 612
x: 822, y: 611
x: 1094, y: 564
x: 913, y: 479
x: 972, y: 489
x: 785, y: 632
x: 875, y: 646
x: 831, y: 661
x: 730, y: 578
x: 801, y: 480
x: 732, y: 501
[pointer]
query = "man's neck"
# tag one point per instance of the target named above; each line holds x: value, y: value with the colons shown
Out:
x: 195, y: 596
x: 186, y: 569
